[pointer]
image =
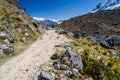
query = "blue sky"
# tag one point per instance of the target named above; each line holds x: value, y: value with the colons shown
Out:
x: 59, y: 9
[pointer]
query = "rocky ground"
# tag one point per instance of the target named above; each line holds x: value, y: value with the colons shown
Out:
x: 65, y: 65
x: 26, y: 65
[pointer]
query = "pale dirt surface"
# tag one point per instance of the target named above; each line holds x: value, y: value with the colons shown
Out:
x: 27, y: 64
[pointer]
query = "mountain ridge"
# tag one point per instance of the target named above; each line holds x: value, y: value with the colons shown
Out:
x: 107, y: 5
x: 98, y: 26
x: 48, y: 23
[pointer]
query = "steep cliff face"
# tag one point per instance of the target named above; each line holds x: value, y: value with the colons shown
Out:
x: 15, y: 26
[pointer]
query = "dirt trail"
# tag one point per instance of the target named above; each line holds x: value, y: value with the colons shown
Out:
x: 27, y: 64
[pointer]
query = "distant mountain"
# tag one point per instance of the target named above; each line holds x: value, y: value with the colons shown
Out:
x: 49, y: 22
x: 107, y: 5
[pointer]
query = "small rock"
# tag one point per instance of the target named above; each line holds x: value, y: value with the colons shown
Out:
x: 1, y: 51
x: 39, y: 30
x: 6, y: 41
x: 57, y: 65
x: 45, y: 76
x: 27, y: 34
x: 3, y: 34
x: 8, y: 50
x: 23, y: 39
x: 69, y: 73
x: 64, y: 67
x: 113, y: 53
x: 99, y: 57
x: 89, y: 79
x: 70, y: 34
x: 55, y: 56
x: 75, y: 72
x: 64, y: 78
x: 19, y: 30
x: 66, y: 61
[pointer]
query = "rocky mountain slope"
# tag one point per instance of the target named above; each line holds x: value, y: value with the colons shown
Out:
x: 48, y: 23
x: 107, y: 5
x: 16, y: 27
x: 102, y: 27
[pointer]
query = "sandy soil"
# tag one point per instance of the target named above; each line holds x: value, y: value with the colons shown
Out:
x: 27, y: 64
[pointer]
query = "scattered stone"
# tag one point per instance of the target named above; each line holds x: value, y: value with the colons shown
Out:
x: 3, y: 34
x: 39, y: 30
x: 64, y: 67
x: 7, y: 50
x: 113, y: 53
x: 99, y: 57
x: 23, y: 39
x: 11, y: 36
x: 57, y: 65
x: 64, y: 78
x: 27, y: 34
x: 89, y: 79
x: 19, y: 30
x: 55, y: 56
x: 75, y: 72
x: 1, y: 51
x: 45, y: 76
x: 66, y: 64
x: 4, y: 49
x: 65, y: 60
x: 69, y: 73
x: 70, y: 34
x: 6, y: 41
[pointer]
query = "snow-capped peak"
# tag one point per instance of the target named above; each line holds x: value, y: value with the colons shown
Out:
x: 107, y: 5
x: 39, y: 19
x: 44, y: 19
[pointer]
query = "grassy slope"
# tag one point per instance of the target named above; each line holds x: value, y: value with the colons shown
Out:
x: 107, y: 68
x: 11, y: 15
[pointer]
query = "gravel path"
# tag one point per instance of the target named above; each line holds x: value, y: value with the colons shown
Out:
x: 28, y: 63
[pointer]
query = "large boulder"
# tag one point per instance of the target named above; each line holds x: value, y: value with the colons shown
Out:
x: 74, y: 58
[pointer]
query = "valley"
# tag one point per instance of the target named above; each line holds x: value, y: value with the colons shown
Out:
x: 84, y: 47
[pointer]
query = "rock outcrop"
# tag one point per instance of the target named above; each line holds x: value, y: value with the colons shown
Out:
x: 65, y: 65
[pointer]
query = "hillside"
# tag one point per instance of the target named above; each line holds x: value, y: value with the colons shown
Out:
x: 17, y: 29
x: 103, y: 24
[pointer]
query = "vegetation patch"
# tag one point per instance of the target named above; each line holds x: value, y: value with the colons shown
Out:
x: 98, y: 63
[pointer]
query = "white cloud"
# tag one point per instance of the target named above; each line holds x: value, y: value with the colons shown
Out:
x: 39, y: 19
